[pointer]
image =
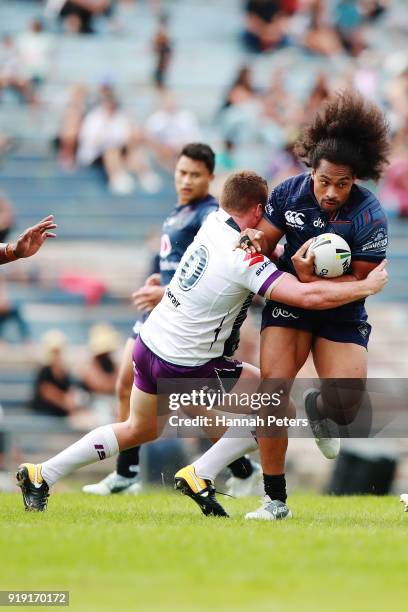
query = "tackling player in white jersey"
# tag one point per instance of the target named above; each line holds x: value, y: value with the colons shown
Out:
x: 193, y: 175
x: 185, y: 334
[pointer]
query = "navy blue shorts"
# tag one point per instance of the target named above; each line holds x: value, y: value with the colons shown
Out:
x: 346, y: 324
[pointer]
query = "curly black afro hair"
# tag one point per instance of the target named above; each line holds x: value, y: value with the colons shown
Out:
x: 348, y: 130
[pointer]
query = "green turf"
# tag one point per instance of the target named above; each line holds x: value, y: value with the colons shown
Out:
x: 156, y: 552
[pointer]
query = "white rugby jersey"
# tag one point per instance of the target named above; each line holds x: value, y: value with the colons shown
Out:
x: 206, y: 295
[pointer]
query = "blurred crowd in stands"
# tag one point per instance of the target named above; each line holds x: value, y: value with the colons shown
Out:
x: 319, y: 27
x: 256, y: 110
x: 61, y: 391
x: 97, y: 129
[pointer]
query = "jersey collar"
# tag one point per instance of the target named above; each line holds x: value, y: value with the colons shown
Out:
x: 229, y: 220
x: 233, y: 224
x: 207, y: 198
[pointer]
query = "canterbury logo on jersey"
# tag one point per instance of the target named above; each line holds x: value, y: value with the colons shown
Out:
x: 294, y: 219
x: 253, y: 258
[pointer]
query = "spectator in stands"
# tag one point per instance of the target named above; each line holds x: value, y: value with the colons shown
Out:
x: 162, y: 48
x: 240, y: 109
x: 169, y: 128
x: 348, y: 24
x: 77, y: 16
x: 6, y: 217
x: 319, y: 93
x: 5, y: 143
x: 35, y: 48
x: 100, y: 372
x: 252, y: 115
x: 319, y: 35
x: 11, y: 313
x: 53, y: 390
x: 266, y: 24
x: 67, y: 139
x: 108, y: 138
x: 394, y: 189
x: 397, y: 97
x: 373, y: 9
x: 241, y: 90
x: 284, y: 164
x: 225, y: 158
x: 11, y: 71
x: 281, y: 112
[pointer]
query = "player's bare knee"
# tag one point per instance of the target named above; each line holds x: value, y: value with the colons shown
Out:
x: 142, y: 431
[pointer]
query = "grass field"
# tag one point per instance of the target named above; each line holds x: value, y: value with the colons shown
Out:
x: 156, y: 552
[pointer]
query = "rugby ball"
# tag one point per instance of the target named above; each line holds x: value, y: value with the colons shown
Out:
x: 332, y: 255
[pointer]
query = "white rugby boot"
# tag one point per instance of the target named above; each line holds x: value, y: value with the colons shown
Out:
x: 114, y: 483
x: 271, y: 510
x: 324, y: 430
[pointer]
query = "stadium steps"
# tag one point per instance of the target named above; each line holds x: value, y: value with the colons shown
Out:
x: 81, y: 201
x: 75, y: 321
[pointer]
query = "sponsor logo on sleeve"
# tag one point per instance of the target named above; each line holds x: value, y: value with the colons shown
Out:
x: 175, y: 302
x: 254, y: 258
x: 378, y: 241
x: 262, y: 268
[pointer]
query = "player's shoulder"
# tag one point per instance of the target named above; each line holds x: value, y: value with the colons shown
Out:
x: 291, y: 189
x: 217, y: 233
x: 242, y: 263
x: 207, y: 205
x: 222, y: 233
x: 364, y: 207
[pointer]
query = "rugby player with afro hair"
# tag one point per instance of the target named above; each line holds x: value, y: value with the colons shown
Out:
x: 346, y: 141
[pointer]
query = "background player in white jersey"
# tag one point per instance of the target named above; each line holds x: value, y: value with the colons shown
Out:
x: 185, y: 334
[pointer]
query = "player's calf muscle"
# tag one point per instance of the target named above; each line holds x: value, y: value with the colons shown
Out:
x: 342, y: 404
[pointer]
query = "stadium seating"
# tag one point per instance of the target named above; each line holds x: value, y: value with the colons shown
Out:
x: 90, y: 219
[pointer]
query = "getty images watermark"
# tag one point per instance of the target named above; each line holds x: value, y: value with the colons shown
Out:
x: 353, y: 408
x: 221, y: 402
